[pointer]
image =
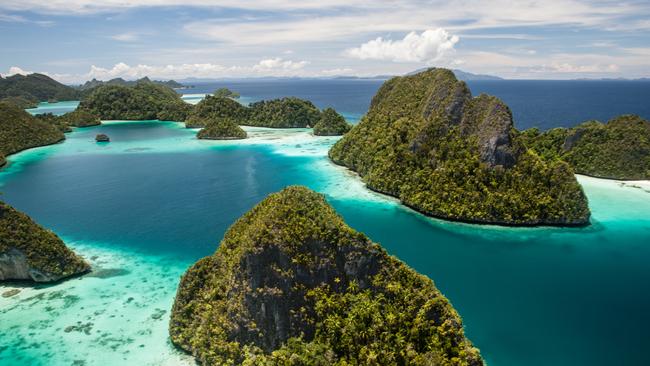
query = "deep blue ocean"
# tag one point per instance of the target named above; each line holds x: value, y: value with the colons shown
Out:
x: 534, y: 103
x: 146, y: 206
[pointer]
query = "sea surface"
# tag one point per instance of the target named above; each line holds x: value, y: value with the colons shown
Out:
x: 146, y: 206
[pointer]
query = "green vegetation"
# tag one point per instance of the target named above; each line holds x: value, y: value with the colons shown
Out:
x: 36, y: 87
x: 331, y: 124
x: 446, y: 154
x: 47, y: 258
x: 217, y: 128
x: 143, y: 101
x: 292, y: 284
x: 19, y: 131
x: 226, y: 93
x: 64, y: 123
x: 81, y: 118
x: 619, y: 149
x: 283, y: 113
x: 21, y: 102
x: 94, y: 83
x: 216, y: 107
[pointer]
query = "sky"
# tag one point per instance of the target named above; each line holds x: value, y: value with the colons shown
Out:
x: 77, y: 40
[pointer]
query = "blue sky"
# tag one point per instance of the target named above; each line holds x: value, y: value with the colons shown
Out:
x: 75, y: 40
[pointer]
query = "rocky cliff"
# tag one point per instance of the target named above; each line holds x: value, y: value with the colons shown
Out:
x: 447, y: 154
x: 292, y: 284
x: 29, y: 252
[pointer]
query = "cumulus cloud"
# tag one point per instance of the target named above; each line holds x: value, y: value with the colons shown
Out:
x: 279, y: 64
x: 16, y: 70
x: 428, y: 46
x: 267, y: 67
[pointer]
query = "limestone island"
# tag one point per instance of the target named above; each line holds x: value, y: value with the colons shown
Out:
x: 618, y: 149
x: 102, y: 138
x: 143, y: 101
x: 331, y: 124
x: 287, y: 112
x: 20, y: 130
x: 442, y: 152
x: 29, y: 252
x: 36, y: 88
x: 292, y: 284
x: 221, y: 129
x: 216, y: 107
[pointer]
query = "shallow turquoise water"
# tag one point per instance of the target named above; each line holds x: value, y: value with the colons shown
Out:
x: 145, y: 206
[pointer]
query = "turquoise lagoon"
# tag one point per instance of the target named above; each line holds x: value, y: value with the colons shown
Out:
x: 147, y: 205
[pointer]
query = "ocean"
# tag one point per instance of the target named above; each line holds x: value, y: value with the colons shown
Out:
x: 146, y: 206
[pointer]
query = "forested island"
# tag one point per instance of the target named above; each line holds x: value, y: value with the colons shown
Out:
x: 30, y: 252
x: 427, y: 141
x: 142, y: 101
x: 217, y: 128
x: 19, y: 131
x: 36, y: 88
x: 276, y: 113
x: 216, y: 107
x: 287, y: 112
x: 331, y: 124
x: 618, y: 149
x: 94, y: 83
x: 292, y: 284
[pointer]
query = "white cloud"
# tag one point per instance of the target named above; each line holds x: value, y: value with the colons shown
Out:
x: 279, y: 64
x: 126, y: 37
x: 429, y: 46
x: 16, y: 70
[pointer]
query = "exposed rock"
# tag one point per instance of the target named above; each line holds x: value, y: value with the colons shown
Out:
x: 102, y: 138
x: 291, y: 280
x: 29, y: 252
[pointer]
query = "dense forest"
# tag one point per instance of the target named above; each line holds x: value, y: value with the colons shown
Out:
x: 331, y: 124
x: 283, y: 113
x: 216, y: 107
x: 446, y: 154
x: 46, y: 256
x: 220, y: 128
x: 619, y: 149
x: 19, y: 130
x: 143, y: 101
x: 292, y: 284
x: 36, y: 88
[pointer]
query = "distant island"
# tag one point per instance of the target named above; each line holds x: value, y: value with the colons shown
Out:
x: 426, y: 141
x: 94, y: 83
x: 216, y: 107
x: 20, y: 130
x: 618, y: 149
x: 288, y: 112
x: 141, y: 101
x: 29, y: 252
x: 292, y: 284
x: 36, y: 88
